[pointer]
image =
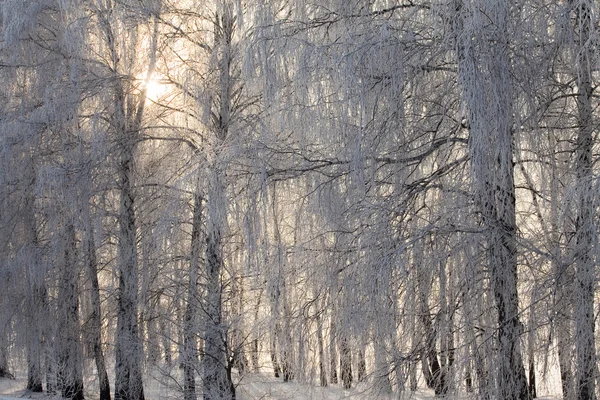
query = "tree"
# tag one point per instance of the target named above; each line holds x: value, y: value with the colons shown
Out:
x: 584, y: 225
x: 125, y: 121
x: 217, y: 381
x: 484, y: 71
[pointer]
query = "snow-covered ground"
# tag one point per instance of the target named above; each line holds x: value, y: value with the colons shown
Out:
x: 255, y: 386
x: 160, y: 385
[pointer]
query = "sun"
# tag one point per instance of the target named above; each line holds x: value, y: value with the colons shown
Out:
x: 156, y: 88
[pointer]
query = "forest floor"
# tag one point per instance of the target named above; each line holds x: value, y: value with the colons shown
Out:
x: 160, y: 386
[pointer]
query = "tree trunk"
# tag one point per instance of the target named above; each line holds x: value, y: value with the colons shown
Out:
x: 413, y: 381
x: 415, y: 335
x: 362, y: 365
x: 34, y: 342
x: 531, y: 344
x: 468, y: 371
x: 280, y: 298
x: 398, y: 346
x: 477, y: 303
x: 434, y: 373
x: 273, y: 348
x: 500, y: 221
x: 446, y: 329
x: 36, y: 294
x: 128, y: 374
x: 128, y: 381
x: 287, y: 369
x: 216, y: 383
x: 217, y: 379
x: 240, y: 359
x: 563, y: 284
x: 321, y: 351
x: 563, y: 343
x: 95, y: 318
x: 127, y: 120
x: 190, y: 353
x: 165, y: 329
x: 51, y: 363
x: 255, y: 343
x: 4, y: 368
x: 70, y: 357
x: 382, y: 370
x: 585, y: 347
x: 345, y: 363
x: 333, y: 376
x: 532, y: 389
x: 299, y: 369
x: 484, y: 72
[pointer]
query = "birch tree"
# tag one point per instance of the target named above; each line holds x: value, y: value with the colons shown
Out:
x: 584, y: 225
x: 217, y: 381
x: 126, y: 120
x: 483, y: 60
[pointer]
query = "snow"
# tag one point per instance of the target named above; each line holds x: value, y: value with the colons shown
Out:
x: 253, y: 386
x: 161, y: 383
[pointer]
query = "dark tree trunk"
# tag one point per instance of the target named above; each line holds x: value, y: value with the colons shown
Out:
x: 217, y: 381
x: 70, y: 358
x: 128, y: 379
x: 413, y: 381
x: 126, y: 120
x: 51, y: 366
x: 468, y: 377
x: 484, y: 72
x: 434, y: 374
x: 35, y: 348
x: 166, y: 343
x: 217, y: 377
x: 95, y: 318
x: 532, y: 390
x: 321, y: 350
x: 585, y: 272
x: 286, y: 368
x: 4, y: 369
x: 239, y: 356
x: 273, y: 348
x: 34, y: 360
x: 287, y: 365
x: 362, y: 366
x: 345, y: 364
x: 190, y: 353
x: 254, y: 356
